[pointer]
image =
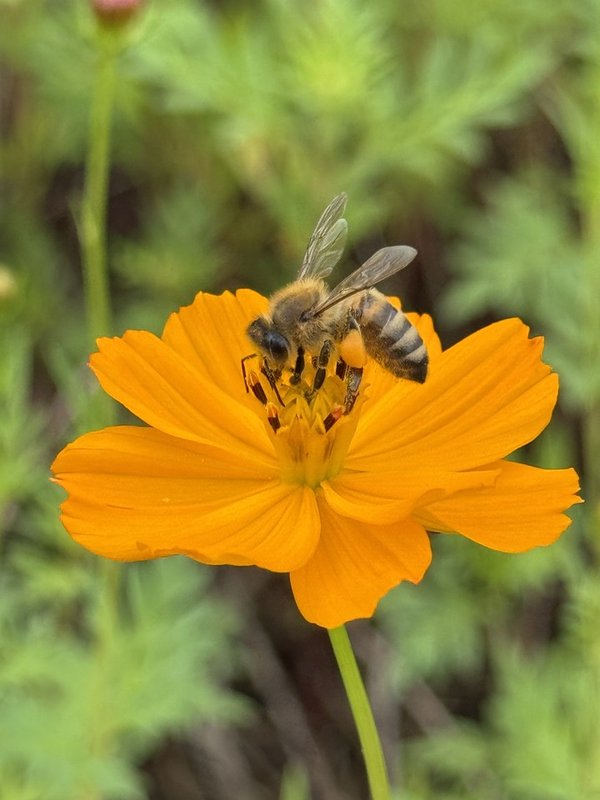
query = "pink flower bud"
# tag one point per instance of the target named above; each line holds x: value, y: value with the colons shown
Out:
x: 115, y: 12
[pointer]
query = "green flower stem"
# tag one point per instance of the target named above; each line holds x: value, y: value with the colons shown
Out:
x: 92, y: 234
x: 362, y: 713
x: 93, y: 219
x: 94, y: 203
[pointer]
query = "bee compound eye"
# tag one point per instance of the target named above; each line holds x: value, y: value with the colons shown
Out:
x: 278, y: 346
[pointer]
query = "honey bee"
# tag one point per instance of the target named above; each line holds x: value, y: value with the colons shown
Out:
x: 353, y: 320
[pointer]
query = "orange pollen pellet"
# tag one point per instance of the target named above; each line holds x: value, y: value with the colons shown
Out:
x: 352, y: 349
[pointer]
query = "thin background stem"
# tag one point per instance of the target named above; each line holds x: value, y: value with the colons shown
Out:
x: 362, y: 713
x: 93, y: 236
x: 93, y: 213
x: 94, y: 206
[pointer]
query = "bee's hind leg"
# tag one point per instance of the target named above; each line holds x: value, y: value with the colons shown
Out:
x: 354, y: 377
x: 341, y: 368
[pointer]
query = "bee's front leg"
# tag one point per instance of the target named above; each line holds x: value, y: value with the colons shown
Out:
x: 272, y: 375
x: 244, y: 373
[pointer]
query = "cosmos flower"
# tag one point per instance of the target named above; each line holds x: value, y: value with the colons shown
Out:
x: 341, y: 502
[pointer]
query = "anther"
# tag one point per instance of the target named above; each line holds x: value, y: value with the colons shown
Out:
x: 256, y: 387
x: 273, y: 417
x: 333, y: 416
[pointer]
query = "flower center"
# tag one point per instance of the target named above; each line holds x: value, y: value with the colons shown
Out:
x: 311, y: 430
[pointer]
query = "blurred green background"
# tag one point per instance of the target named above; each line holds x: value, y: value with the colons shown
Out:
x: 468, y: 129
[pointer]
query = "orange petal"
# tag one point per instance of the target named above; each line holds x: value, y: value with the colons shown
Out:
x: 483, y: 398
x: 524, y: 509
x: 381, y: 498
x: 355, y: 564
x: 161, y: 388
x: 210, y: 334
x: 136, y: 493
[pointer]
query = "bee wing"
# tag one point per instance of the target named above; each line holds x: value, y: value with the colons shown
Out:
x: 381, y: 265
x: 327, y: 241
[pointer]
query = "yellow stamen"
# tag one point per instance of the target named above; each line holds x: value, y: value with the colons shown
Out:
x: 311, y: 432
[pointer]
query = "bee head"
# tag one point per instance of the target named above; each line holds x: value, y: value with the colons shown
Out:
x: 269, y: 340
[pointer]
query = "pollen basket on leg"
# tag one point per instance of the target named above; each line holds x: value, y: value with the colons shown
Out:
x: 310, y: 422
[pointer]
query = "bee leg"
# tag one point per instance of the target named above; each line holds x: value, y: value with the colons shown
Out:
x: 243, y: 362
x: 298, y: 368
x: 352, y: 387
x: 272, y: 376
x: 340, y: 369
x: 254, y: 385
x: 322, y: 362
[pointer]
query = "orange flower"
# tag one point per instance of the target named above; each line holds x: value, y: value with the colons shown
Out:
x: 343, y: 510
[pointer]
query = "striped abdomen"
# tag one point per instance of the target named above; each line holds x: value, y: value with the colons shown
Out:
x: 390, y: 338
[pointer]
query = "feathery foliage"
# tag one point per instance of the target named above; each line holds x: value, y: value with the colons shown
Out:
x: 470, y: 130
